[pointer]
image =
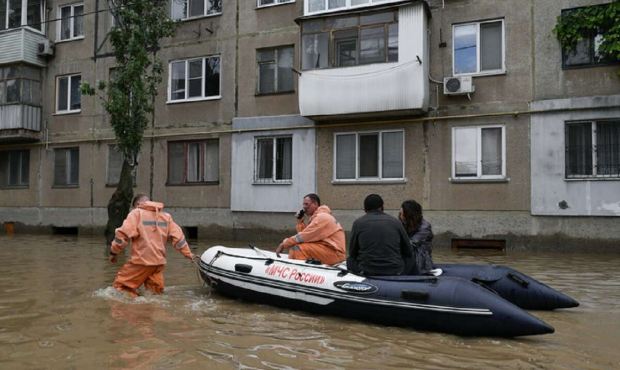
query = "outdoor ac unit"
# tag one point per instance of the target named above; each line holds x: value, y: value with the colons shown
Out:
x: 458, y: 85
x: 46, y: 48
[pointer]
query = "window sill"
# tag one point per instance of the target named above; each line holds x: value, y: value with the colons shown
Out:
x: 64, y: 113
x: 482, y: 74
x: 369, y: 182
x: 59, y: 41
x: 14, y: 187
x: 272, y: 183
x: 115, y: 185
x: 590, y: 65
x: 592, y: 178
x: 208, y: 183
x: 478, y: 180
x: 193, y: 100
x: 71, y: 186
x: 198, y: 17
x: 258, y: 7
x: 275, y: 93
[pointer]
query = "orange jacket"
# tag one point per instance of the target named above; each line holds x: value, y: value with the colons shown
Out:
x: 322, y: 228
x: 149, y: 228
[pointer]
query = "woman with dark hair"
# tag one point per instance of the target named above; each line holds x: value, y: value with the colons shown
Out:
x: 420, y: 233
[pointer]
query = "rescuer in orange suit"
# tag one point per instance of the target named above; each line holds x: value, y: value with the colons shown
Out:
x: 148, y: 228
x: 321, y: 239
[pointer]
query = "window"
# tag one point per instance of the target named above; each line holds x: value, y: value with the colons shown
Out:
x: 12, y: 14
x: 369, y: 156
x: 273, y: 159
x: 14, y: 168
x: 71, y: 22
x: 194, y: 79
x: 593, y: 149
x: 68, y: 95
x: 66, y: 166
x: 275, y: 70
x: 478, y: 152
x: 115, y: 165
x: 186, y: 9
x: 193, y: 162
x: 20, y: 85
x: 478, y: 48
x: 350, y: 40
x: 262, y: 3
x: 586, y: 51
x: 319, y: 6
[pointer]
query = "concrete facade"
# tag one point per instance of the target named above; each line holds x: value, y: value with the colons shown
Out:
x: 528, y: 100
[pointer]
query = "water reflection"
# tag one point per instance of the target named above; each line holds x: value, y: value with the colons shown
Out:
x: 57, y: 310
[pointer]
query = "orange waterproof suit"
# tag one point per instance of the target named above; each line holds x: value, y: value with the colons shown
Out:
x: 322, y: 239
x: 148, y: 228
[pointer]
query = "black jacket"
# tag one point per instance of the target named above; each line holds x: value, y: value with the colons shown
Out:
x: 421, y: 240
x: 378, y: 245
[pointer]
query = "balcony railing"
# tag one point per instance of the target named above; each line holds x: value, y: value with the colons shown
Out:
x: 21, y: 45
x: 19, y: 123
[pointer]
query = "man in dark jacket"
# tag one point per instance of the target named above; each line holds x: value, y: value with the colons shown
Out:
x: 379, y: 244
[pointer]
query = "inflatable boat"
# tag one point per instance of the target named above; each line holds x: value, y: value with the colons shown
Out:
x: 432, y: 303
x: 514, y: 286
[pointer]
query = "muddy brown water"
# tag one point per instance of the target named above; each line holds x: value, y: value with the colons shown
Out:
x: 57, y: 311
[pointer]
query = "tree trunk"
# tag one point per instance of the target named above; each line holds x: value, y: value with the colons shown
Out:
x: 120, y: 202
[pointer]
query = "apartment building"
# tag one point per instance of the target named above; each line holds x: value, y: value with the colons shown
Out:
x: 463, y: 105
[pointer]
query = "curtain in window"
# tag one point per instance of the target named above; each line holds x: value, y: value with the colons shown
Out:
x: 608, y: 148
x: 345, y: 156
x: 314, y: 50
x: 392, y: 155
x: 177, y: 89
x: 284, y: 165
x: 491, y: 151
x: 179, y: 9
x: 214, y: 6
x: 316, y: 5
x: 579, y: 149
x: 212, y: 160
x: 176, y: 163
x: 115, y: 164
x: 193, y: 162
x: 12, y: 91
x: 369, y: 155
x: 65, y: 23
x: 490, y: 46
x: 285, y: 69
x: 78, y: 21
x: 465, y: 152
x: 264, y: 154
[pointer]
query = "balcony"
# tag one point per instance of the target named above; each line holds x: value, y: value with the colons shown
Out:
x: 21, y: 45
x: 19, y: 123
x: 365, y: 63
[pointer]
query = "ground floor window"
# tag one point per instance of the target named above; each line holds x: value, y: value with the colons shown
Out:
x: 115, y: 166
x: 66, y: 166
x: 478, y: 152
x: 193, y: 162
x: 273, y: 159
x: 369, y: 155
x: 593, y: 149
x: 14, y: 168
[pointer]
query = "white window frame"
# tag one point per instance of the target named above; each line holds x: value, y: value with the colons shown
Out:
x: 479, y: 175
x: 199, y: 98
x: 273, y: 179
x: 68, y: 110
x: 189, y: 18
x: 73, y: 37
x: 275, y: 3
x: 347, y: 6
x: 478, y: 72
x: 24, y: 16
x: 357, y: 178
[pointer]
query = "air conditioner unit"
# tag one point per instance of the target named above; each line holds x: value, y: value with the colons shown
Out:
x: 458, y: 85
x: 46, y: 48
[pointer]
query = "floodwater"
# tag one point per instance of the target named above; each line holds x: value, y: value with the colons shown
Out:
x: 57, y: 311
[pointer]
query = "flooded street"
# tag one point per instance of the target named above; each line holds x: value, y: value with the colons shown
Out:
x: 57, y: 311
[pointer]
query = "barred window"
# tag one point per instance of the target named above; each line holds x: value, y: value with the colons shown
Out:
x: 593, y: 149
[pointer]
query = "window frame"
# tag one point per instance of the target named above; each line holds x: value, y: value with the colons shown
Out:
x: 478, y: 72
x: 202, y: 162
x: 272, y: 180
x: 24, y: 17
x: 108, y: 183
x: 358, y: 178
x: 347, y: 6
x: 479, y: 176
x: 594, y: 151
x: 205, y: 13
x: 203, y: 87
x: 275, y: 50
x: 276, y: 3
x: 20, y: 183
x: 68, y: 183
x: 72, y: 17
x: 69, y: 79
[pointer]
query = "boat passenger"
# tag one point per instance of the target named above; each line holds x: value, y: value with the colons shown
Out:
x: 421, y: 236
x: 321, y: 239
x: 148, y: 228
x: 379, y: 244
